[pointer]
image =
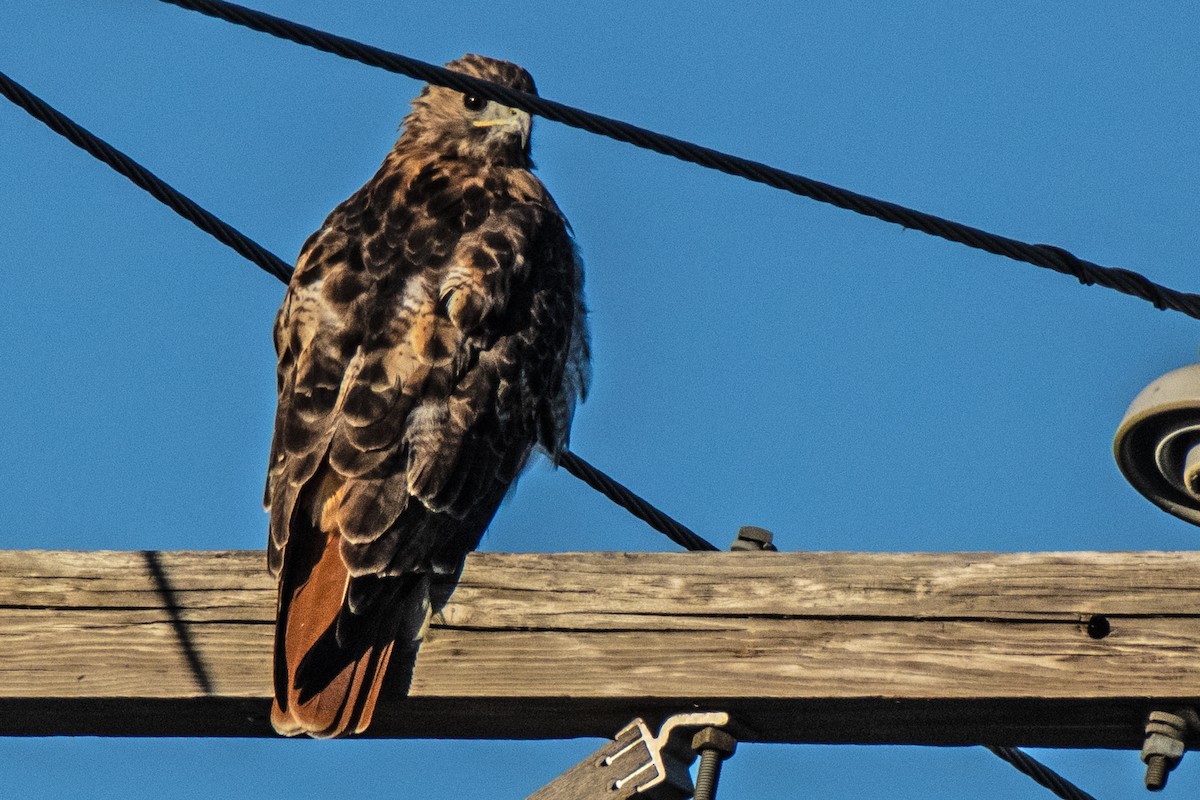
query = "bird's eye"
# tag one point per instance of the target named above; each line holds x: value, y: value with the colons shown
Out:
x: 473, y: 103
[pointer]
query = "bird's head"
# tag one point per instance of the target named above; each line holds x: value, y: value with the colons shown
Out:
x: 467, y: 127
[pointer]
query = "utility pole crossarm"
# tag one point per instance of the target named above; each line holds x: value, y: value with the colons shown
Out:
x: 1050, y: 649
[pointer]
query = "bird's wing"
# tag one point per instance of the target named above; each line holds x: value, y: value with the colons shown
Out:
x: 316, y: 331
x: 447, y: 405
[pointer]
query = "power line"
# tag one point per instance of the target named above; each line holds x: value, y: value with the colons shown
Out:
x: 1057, y: 784
x: 144, y: 178
x: 1041, y: 255
x: 676, y: 532
x: 273, y: 264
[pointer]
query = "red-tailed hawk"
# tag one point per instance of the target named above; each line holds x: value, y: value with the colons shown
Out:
x: 432, y: 335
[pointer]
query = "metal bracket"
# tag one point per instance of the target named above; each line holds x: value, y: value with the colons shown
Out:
x: 637, y: 763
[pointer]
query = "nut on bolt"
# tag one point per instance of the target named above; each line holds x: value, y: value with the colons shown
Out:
x: 711, y: 738
x: 1164, y: 746
x: 751, y: 538
x: 714, y: 746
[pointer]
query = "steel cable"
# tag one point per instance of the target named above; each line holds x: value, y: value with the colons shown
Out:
x: 268, y: 261
x: 1046, y: 256
x: 676, y: 532
x: 1057, y: 784
x: 142, y: 177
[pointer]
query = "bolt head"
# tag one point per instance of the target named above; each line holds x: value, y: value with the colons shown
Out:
x: 714, y: 739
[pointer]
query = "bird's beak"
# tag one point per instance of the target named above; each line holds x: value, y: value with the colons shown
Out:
x: 513, y: 119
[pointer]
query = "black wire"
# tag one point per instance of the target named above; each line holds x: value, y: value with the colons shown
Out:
x: 273, y: 264
x: 1041, y: 255
x: 629, y: 501
x: 1040, y: 773
x: 142, y: 177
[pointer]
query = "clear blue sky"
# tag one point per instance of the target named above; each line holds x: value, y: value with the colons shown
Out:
x: 760, y: 358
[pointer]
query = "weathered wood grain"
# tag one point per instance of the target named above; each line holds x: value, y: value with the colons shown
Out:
x: 946, y: 648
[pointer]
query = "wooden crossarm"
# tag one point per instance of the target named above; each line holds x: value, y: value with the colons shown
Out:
x: 1044, y: 649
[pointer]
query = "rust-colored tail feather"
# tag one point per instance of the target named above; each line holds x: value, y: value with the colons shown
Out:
x: 328, y: 676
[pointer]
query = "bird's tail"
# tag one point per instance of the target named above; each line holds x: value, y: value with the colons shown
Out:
x: 330, y: 661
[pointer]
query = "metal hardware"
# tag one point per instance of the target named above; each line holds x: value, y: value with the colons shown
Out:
x: 1165, y: 744
x: 637, y: 763
x: 714, y: 746
x: 1157, y: 445
x: 751, y: 538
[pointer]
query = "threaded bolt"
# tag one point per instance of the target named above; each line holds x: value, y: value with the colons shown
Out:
x: 707, y: 775
x: 714, y: 746
x: 1156, y: 773
x: 1164, y: 746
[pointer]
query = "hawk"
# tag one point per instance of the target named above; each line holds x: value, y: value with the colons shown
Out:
x: 432, y: 336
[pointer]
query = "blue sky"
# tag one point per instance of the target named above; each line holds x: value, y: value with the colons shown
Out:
x: 759, y: 358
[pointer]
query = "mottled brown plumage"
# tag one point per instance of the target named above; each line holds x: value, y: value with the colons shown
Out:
x: 432, y: 335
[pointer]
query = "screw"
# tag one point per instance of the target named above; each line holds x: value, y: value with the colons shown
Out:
x: 714, y: 746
